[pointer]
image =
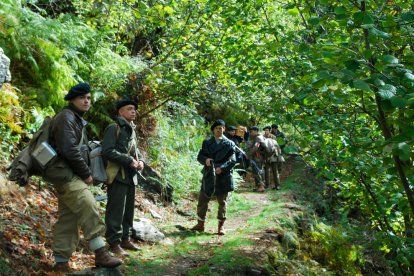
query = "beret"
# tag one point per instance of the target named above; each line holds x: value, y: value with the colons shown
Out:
x: 218, y: 122
x: 267, y: 127
x: 77, y: 90
x: 254, y: 128
x: 123, y: 103
x: 231, y: 128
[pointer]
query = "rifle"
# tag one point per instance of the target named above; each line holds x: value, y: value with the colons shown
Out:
x: 241, y: 151
x: 214, y: 179
x: 140, y: 174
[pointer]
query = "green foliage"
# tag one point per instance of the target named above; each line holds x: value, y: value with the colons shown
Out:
x: 333, y: 246
x: 174, y: 149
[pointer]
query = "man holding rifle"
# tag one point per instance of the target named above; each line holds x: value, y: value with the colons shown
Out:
x: 124, y: 161
x: 218, y: 157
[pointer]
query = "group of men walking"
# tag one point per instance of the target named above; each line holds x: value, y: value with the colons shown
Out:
x: 222, y: 152
x: 71, y: 175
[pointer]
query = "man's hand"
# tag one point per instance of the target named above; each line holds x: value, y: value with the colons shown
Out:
x: 140, y: 165
x: 218, y: 171
x: 88, y: 180
x: 135, y: 164
x: 208, y: 162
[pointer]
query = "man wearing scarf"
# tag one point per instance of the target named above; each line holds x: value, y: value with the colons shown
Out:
x: 124, y: 160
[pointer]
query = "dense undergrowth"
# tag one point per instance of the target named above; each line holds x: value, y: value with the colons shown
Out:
x: 337, y: 75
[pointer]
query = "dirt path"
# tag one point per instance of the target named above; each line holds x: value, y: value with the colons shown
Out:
x: 242, y: 251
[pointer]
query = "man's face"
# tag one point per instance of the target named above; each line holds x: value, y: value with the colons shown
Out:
x: 218, y: 131
x: 128, y: 112
x: 267, y: 131
x: 82, y: 102
x: 254, y: 133
x: 231, y: 132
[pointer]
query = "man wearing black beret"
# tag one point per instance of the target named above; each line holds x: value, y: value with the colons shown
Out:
x: 217, y: 155
x: 241, y: 160
x: 280, y: 136
x: 124, y: 160
x: 71, y: 176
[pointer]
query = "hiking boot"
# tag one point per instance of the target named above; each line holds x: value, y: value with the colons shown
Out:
x: 260, y: 188
x: 221, y: 231
x: 199, y: 227
x: 127, y: 244
x: 62, y: 267
x: 117, y: 249
x: 104, y: 259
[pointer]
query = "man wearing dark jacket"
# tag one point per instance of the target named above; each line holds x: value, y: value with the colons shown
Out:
x: 256, y: 146
x: 71, y: 177
x: 217, y: 154
x: 120, y: 150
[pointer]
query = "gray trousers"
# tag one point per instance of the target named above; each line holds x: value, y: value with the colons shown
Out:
x: 119, y: 215
x: 202, y: 206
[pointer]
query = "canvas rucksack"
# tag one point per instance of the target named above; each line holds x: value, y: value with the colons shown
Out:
x: 25, y: 164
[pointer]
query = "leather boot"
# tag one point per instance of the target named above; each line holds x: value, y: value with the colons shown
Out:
x: 221, y: 231
x: 127, y: 244
x: 260, y: 188
x: 117, y: 249
x: 104, y: 259
x: 62, y: 267
x: 199, y: 227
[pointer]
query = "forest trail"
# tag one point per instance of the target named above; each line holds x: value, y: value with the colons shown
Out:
x: 254, y: 226
x: 261, y: 229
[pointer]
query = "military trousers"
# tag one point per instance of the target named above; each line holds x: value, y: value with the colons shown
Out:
x: 272, y: 174
x: 257, y: 170
x: 202, y: 206
x: 76, y: 209
x: 119, y: 216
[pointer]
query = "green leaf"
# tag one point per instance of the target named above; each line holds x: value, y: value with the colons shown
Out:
x: 408, y: 16
x: 293, y: 11
x: 387, y: 91
x: 168, y: 10
x: 362, y: 85
x: 313, y: 21
x: 340, y: 10
x: 409, y: 76
x: 399, y: 101
x: 404, y: 151
x: 368, y: 19
x: 379, y: 33
x: 390, y: 59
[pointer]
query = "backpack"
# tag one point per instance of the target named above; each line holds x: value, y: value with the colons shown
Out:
x: 97, y: 165
x: 34, y: 158
x: 271, y: 147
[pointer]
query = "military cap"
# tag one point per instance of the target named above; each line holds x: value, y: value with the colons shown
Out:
x: 123, y: 103
x: 254, y: 128
x: 78, y: 90
x: 218, y: 122
x: 229, y: 128
x: 267, y: 127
